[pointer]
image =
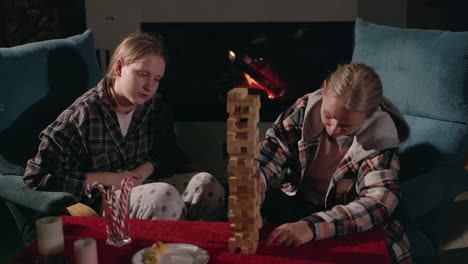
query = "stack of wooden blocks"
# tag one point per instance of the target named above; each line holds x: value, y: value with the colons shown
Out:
x: 242, y: 146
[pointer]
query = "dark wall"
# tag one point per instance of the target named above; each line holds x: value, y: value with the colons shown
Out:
x: 438, y: 14
x: 26, y: 21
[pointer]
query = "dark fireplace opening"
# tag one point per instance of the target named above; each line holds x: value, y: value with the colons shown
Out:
x: 199, y: 72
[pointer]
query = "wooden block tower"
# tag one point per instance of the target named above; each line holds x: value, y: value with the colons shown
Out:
x: 242, y: 146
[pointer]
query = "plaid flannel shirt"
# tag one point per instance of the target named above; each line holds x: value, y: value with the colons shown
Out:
x: 284, y: 156
x: 86, y: 138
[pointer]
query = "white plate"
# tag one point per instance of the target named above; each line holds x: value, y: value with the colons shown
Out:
x: 177, y: 253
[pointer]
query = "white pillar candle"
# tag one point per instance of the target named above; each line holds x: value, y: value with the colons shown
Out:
x: 49, y: 231
x: 85, y: 251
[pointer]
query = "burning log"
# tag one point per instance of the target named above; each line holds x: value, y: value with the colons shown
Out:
x: 258, y: 74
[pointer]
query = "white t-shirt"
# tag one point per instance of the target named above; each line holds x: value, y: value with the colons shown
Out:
x: 124, y: 121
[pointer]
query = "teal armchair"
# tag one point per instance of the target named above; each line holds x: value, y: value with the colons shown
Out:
x: 425, y: 74
x: 37, y: 82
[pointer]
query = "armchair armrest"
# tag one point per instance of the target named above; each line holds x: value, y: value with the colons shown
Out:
x: 26, y: 205
x: 13, y: 189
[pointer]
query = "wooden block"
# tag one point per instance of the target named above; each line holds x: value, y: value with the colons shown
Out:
x: 239, y: 149
x: 230, y: 108
x: 233, y: 149
x: 238, y: 93
x: 245, y: 208
x: 247, y: 221
x: 242, y: 227
x: 250, y: 249
x: 245, y: 238
x: 242, y: 189
x: 248, y: 246
x: 250, y: 145
x: 239, y: 200
x: 242, y: 160
x: 242, y: 171
x: 243, y: 137
x: 249, y: 177
x: 251, y: 156
x: 231, y: 135
x: 249, y: 100
x: 241, y: 110
x: 253, y: 143
x: 242, y: 144
x: 236, y: 161
x: 239, y: 124
x: 239, y: 219
x: 250, y: 184
x: 247, y: 135
x: 252, y: 213
x: 231, y: 245
x: 231, y: 123
x: 244, y: 115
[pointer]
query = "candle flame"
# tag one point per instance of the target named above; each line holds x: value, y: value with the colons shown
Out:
x: 231, y: 56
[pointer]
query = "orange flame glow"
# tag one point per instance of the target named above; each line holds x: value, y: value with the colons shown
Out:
x: 252, y: 83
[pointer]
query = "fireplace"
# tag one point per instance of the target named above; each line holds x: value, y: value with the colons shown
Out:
x: 200, y: 72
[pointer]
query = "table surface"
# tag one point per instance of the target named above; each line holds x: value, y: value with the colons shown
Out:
x: 364, y: 247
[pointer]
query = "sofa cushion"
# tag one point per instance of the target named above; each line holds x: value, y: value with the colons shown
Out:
x: 24, y: 72
x: 8, y: 168
x: 37, y: 82
x: 425, y: 74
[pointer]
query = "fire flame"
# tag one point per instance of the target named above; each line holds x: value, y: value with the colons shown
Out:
x: 264, y: 79
x: 252, y: 83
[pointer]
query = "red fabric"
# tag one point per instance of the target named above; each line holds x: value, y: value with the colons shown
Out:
x: 360, y: 248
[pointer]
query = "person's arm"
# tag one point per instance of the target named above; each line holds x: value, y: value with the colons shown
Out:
x: 379, y: 192
x: 56, y: 164
x: 278, y: 150
x: 115, y: 178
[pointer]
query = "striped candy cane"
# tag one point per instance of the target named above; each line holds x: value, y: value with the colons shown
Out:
x: 95, y: 185
x: 125, y: 189
x: 113, y: 221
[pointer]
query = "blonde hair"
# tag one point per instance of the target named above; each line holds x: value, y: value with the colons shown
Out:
x: 131, y: 49
x: 358, y: 85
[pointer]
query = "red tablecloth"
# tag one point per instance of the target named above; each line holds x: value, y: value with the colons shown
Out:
x: 360, y: 248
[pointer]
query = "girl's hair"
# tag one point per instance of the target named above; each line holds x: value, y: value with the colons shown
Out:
x: 357, y: 85
x: 131, y: 49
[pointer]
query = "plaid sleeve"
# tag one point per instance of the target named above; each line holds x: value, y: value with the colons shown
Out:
x: 276, y: 151
x: 54, y: 168
x: 378, y: 189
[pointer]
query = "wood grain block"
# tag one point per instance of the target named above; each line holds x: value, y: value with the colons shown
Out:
x: 238, y: 93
